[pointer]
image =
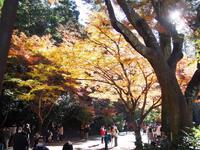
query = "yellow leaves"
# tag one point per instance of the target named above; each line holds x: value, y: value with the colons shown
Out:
x: 29, y: 83
x: 22, y: 42
x: 128, y: 61
x: 99, y: 19
x: 26, y: 96
x: 184, y: 72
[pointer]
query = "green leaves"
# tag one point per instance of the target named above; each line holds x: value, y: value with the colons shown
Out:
x: 1, y: 3
x: 40, y: 18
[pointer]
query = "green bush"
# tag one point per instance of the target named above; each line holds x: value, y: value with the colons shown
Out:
x: 190, y: 139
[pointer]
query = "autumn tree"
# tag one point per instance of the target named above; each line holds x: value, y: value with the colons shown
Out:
x: 32, y: 77
x: 161, y: 54
x: 111, y: 64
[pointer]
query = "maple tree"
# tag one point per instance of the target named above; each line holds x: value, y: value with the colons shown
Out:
x: 117, y: 71
x: 37, y: 79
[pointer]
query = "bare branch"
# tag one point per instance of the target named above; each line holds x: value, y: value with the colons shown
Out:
x: 128, y: 35
x: 123, y: 100
x: 95, y: 80
x: 154, y: 105
x: 171, y: 30
x: 139, y: 24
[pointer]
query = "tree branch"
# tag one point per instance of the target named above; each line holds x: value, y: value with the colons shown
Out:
x: 153, y: 106
x: 139, y: 24
x: 128, y: 35
x: 122, y: 99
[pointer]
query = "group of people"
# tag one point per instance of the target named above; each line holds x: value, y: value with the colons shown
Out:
x: 84, y: 132
x: 15, y: 135
x: 54, y: 133
x: 110, y: 135
x: 154, y: 134
x: 23, y: 137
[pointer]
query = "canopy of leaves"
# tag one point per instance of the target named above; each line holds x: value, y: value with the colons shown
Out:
x: 32, y: 76
x: 42, y: 17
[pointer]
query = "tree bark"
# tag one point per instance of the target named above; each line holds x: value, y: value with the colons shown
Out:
x: 191, y: 94
x: 138, y: 139
x: 172, y: 96
x: 165, y: 44
x: 40, y: 124
x: 136, y: 129
x: 8, y: 15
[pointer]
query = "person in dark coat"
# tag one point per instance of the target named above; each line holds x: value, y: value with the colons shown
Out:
x: 20, y: 141
x: 40, y: 145
x: 67, y: 146
x: 107, y: 140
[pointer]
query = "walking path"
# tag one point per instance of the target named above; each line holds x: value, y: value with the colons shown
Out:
x: 125, y: 142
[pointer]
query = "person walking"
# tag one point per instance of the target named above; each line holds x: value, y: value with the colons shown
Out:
x: 150, y: 135
x: 67, y: 146
x: 86, y: 131
x: 102, y: 134
x: 40, y: 145
x: 107, y: 140
x: 61, y: 132
x: 20, y: 141
x: 27, y: 131
x: 115, y: 134
x: 7, y: 136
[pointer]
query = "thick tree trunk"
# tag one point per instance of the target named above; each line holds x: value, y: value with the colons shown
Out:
x: 191, y: 94
x: 8, y: 16
x: 196, y: 113
x: 172, y: 96
x: 165, y: 44
x: 165, y: 115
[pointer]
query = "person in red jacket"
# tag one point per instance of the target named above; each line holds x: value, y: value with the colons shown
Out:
x: 102, y: 133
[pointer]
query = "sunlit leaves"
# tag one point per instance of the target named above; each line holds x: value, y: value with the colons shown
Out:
x: 117, y: 71
x: 184, y: 72
x: 1, y: 3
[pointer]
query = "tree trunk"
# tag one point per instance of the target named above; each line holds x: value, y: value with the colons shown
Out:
x: 172, y: 96
x: 8, y: 16
x: 165, y: 115
x: 165, y: 44
x: 136, y: 129
x: 138, y: 138
x: 191, y: 94
x: 40, y: 124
